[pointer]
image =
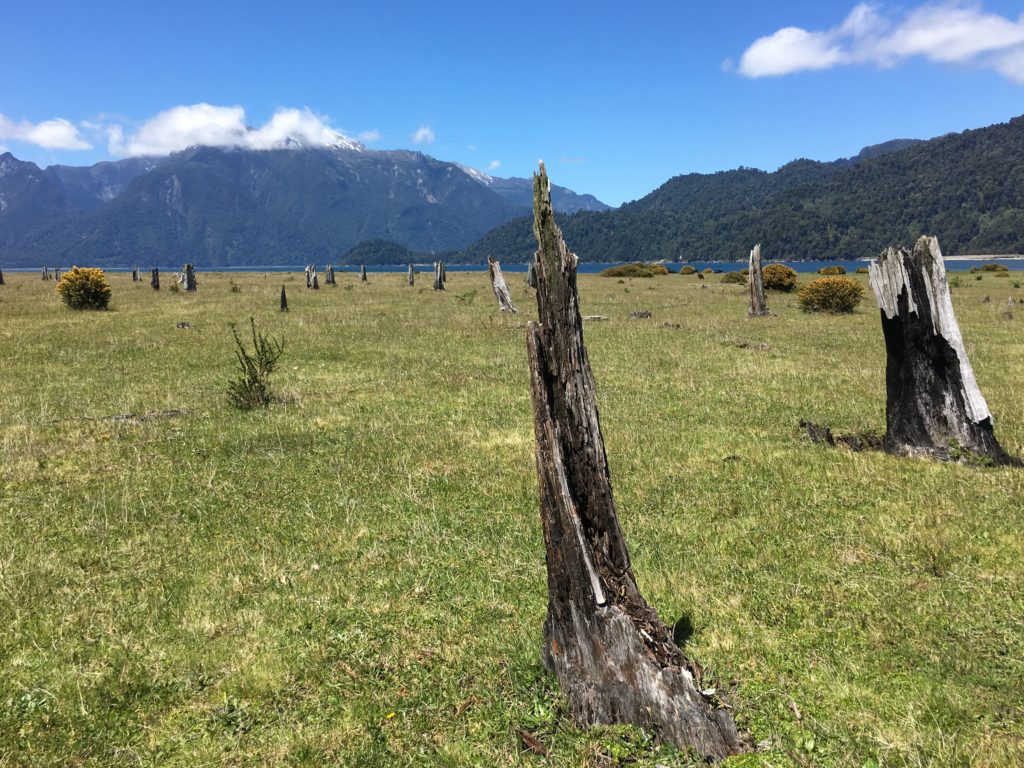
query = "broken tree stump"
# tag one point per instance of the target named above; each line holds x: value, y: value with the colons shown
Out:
x: 284, y: 300
x: 188, y: 277
x: 411, y: 277
x: 46, y: 274
x: 312, y: 281
x: 56, y: 273
x: 500, y: 287
x: 135, y: 274
x: 438, y: 276
x: 362, y: 273
x: 154, y: 279
x: 329, y: 275
x: 758, y: 305
x: 1, y: 277
x: 616, y: 662
x: 933, y: 406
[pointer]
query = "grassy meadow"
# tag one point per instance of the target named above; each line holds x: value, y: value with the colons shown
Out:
x: 355, y: 576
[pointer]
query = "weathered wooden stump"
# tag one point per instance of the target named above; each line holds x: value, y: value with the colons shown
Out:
x: 362, y: 273
x: 154, y: 279
x: 1, y: 277
x: 933, y: 406
x: 615, y: 660
x: 135, y: 275
x: 411, y: 276
x: 1008, y: 311
x: 531, y: 275
x: 329, y: 275
x: 758, y: 305
x: 188, y: 277
x: 284, y: 300
x: 500, y: 287
x: 46, y: 274
x: 56, y: 273
x: 312, y: 281
x: 444, y: 273
x: 438, y: 276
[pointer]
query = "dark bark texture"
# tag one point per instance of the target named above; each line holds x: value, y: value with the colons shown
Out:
x: 615, y: 660
x: 362, y: 273
x: 933, y: 406
x: 154, y: 279
x: 284, y: 300
x: 438, y: 276
x: 188, y: 275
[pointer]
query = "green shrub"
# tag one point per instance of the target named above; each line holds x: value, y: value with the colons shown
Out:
x: 659, y: 269
x: 735, y: 278
x: 977, y: 277
x: 84, y: 288
x: 630, y: 270
x: 991, y: 268
x: 745, y: 271
x: 778, y: 277
x: 954, y: 281
x: 833, y: 270
x: 831, y: 294
x: 252, y: 388
x: 1002, y: 274
x: 689, y: 269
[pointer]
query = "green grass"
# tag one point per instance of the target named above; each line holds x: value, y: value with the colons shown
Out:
x: 355, y: 576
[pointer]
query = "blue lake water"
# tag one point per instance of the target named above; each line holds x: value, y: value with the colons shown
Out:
x: 952, y: 263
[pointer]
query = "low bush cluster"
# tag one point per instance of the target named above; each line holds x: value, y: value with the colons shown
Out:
x: 84, y: 288
x: 831, y: 294
x: 689, y: 269
x: 991, y: 268
x: 836, y: 269
x: 778, y: 277
x: 252, y: 387
x: 734, y: 278
x: 635, y: 270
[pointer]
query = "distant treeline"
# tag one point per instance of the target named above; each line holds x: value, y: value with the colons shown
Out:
x: 967, y: 189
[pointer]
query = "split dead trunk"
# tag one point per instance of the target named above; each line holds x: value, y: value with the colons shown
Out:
x: 362, y: 273
x: 46, y: 274
x: 500, y: 287
x: 438, y: 276
x: 758, y: 305
x: 933, y: 406
x: 411, y: 278
x: 154, y: 279
x: 329, y: 275
x: 615, y: 660
x: 312, y: 281
x: 284, y: 300
x: 188, y: 277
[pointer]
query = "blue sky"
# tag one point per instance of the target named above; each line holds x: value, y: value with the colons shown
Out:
x: 616, y: 98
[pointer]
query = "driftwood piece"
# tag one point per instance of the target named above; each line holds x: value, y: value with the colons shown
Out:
x: 500, y: 287
x: 438, y: 276
x: 933, y: 406
x: 615, y: 660
x: 188, y: 277
x: 154, y: 279
x: 362, y: 273
x: 411, y: 277
x: 758, y: 305
x: 284, y: 300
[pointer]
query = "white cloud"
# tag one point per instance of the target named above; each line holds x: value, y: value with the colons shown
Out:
x: 424, y: 135
x: 949, y: 32
x: 494, y: 165
x: 471, y: 147
x: 368, y: 137
x: 48, y: 134
x: 207, y: 125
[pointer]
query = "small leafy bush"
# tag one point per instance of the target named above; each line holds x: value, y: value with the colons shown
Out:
x: 251, y: 389
x: 84, y: 288
x: 836, y: 269
x: 991, y: 268
x: 778, y: 277
x: 954, y: 281
x: 689, y: 269
x: 628, y: 270
x: 734, y: 278
x: 659, y: 269
x: 831, y: 294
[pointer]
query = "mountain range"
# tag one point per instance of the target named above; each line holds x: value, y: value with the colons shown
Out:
x: 235, y: 207
x: 965, y: 188
x: 346, y: 204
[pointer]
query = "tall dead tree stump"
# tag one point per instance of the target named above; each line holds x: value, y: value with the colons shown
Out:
x: 758, y: 305
x: 438, y: 276
x: 329, y: 275
x: 1, y: 277
x: 135, y: 275
x: 362, y: 273
x: 188, y: 277
x: 154, y: 279
x: 56, y: 273
x: 411, y: 276
x: 284, y: 300
x: 500, y: 287
x: 46, y: 274
x: 615, y: 660
x: 933, y: 406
